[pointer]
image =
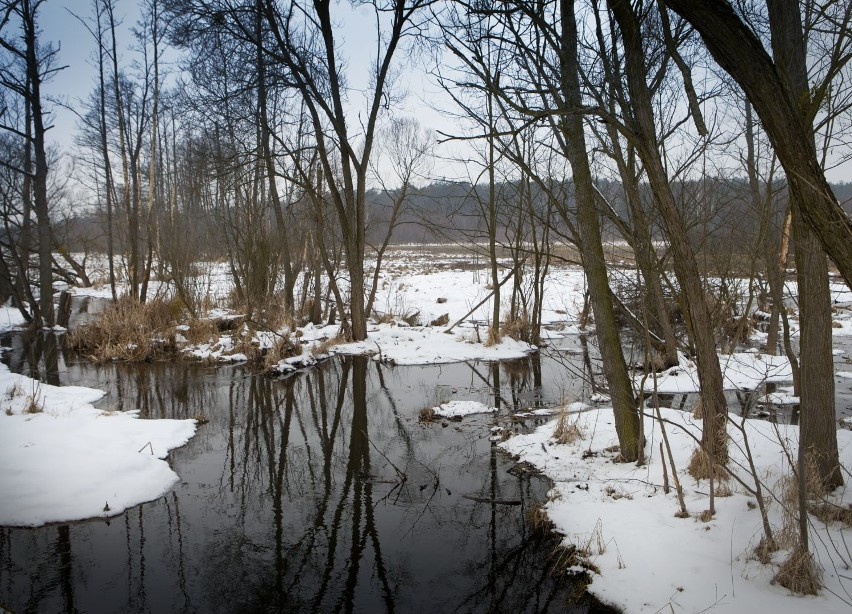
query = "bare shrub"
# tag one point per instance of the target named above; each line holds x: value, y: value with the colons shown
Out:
x: 427, y: 414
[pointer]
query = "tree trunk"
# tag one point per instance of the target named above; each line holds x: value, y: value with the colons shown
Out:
x: 818, y: 437
x: 624, y: 406
x: 714, y: 434
x: 40, y: 200
x: 739, y: 52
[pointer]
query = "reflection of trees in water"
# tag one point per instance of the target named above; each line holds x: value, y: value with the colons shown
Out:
x: 294, y: 500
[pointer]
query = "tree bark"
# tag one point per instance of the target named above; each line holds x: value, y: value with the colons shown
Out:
x: 714, y: 433
x: 739, y: 52
x: 818, y: 436
x: 624, y: 405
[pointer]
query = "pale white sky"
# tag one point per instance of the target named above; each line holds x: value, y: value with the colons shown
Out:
x: 357, y: 35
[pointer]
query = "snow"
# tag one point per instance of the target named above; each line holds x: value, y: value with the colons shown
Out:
x: 458, y: 409
x: 10, y: 318
x: 740, y: 371
x: 407, y: 345
x: 70, y: 461
x: 651, y: 561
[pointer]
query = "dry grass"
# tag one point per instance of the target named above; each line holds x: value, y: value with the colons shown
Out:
x: 568, y: 428
x: 285, y: 347
x: 493, y: 337
x: 128, y: 331
x: 698, y: 410
x: 324, y: 346
x: 202, y: 331
x: 32, y: 405
x: 831, y: 512
x: 702, y: 467
x: 516, y: 327
x: 427, y: 414
x: 764, y: 549
x: 799, y: 573
x: 541, y: 524
x: 14, y: 390
x: 788, y: 536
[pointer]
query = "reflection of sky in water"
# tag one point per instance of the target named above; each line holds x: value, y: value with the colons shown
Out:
x: 292, y: 498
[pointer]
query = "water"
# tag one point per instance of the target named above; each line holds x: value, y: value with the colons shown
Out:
x: 317, y: 493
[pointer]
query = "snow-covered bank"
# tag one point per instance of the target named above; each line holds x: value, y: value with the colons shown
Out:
x: 651, y: 561
x: 410, y: 345
x: 70, y: 461
x: 740, y: 371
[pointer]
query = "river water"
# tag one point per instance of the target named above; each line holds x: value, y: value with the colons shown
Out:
x: 320, y: 492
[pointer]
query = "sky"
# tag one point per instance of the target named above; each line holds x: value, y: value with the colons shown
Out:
x: 425, y: 100
x: 74, y: 83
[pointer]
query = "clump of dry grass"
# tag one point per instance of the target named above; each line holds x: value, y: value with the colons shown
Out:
x: 202, y: 331
x: 493, y: 337
x: 541, y: 524
x: 698, y: 410
x: 568, y: 428
x: 702, y: 467
x: 517, y: 327
x: 324, y: 346
x: 128, y: 330
x: 830, y: 512
x: 32, y: 405
x: 799, y: 573
x: 427, y: 414
x: 764, y: 549
x: 285, y: 347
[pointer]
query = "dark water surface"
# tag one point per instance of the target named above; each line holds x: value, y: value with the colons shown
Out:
x: 317, y: 493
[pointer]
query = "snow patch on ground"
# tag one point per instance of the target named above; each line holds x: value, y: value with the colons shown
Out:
x: 649, y: 560
x: 740, y: 371
x: 409, y: 345
x: 71, y: 461
x: 458, y: 409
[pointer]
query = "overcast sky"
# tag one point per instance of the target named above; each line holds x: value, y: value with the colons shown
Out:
x: 356, y: 33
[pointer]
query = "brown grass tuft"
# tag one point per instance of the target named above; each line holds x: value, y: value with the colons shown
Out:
x: 763, y: 551
x: 541, y: 524
x: 567, y: 429
x: 698, y: 410
x: 831, y: 512
x: 701, y: 467
x: 324, y: 346
x: 799, y: 573
x: 427, y: 414
x: 517, y: 327
x: 32, y: 405
x: 202, y: 331
x: 128, y: 330
x: 285, y: 347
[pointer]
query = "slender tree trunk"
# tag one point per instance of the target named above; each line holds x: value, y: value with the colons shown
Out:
x: 615, y: 368
x: 40, y: 200
x: 818, y: 440
x: 714, y: 435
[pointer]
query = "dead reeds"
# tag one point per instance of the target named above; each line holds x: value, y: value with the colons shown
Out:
x: 128, y: 331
